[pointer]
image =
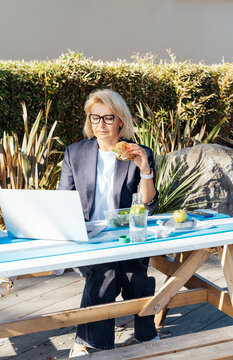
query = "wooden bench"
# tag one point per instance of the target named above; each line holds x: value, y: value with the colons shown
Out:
x: 205, y: 345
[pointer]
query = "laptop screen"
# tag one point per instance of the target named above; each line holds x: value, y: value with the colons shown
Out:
x: 43, y: 214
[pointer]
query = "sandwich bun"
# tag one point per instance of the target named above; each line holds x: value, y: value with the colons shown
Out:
x: 121, y: 151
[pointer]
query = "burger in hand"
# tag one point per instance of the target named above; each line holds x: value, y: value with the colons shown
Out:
x: 121, y: 151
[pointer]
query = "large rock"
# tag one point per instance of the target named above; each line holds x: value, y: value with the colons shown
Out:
x: 214, y: 188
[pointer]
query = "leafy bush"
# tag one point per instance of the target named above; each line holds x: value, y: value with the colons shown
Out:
x: 163, y: 132
x: 206, y: 92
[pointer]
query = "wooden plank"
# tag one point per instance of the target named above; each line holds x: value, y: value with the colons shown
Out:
x: 221, y: 351
x: 163, y: 263
x: 187, y: 344
x: 35, y: 299
x: 25, y: 346
x: 183, y: 298
x: 90, y: 314
x: 216, y: 296
x: 188, y: 297
x: 37, y: 346
x: 186, y: 320
x: 175, y: 283
x: 227, y: 265
x: 71, y: 317
x: 27, y: 276
x: 215, y: 276
x: 221, y: 300
x: 44, y: 273
x: 54, y: 347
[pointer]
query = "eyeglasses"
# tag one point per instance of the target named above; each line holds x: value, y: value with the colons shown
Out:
x: 107, y: 119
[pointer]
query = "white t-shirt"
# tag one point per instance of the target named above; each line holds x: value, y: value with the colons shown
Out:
x: 104, y: 184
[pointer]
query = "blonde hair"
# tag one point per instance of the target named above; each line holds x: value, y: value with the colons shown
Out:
x: 116, y: 104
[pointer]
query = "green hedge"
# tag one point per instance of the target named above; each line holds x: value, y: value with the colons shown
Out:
x: 206, y: 90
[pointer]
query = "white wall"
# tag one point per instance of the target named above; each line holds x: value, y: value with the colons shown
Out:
x: 111, y: 29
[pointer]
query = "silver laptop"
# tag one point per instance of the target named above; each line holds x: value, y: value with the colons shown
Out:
x: 46, y: 214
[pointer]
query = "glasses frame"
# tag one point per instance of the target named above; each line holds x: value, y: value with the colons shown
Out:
x: 102, y: 117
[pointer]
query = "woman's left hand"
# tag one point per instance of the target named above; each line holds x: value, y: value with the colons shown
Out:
x: 141, y: 159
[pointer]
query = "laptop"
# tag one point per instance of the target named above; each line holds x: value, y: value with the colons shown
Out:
x: 47, y: 215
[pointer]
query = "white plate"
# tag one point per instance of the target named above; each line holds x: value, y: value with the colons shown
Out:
x: 187, y: 225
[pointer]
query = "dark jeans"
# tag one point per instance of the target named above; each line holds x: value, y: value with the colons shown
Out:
x: 104, y: 282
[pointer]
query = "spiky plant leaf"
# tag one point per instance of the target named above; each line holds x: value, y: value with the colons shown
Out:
x: 33, y: 132
x: 213, y: 134
x: 172, y: 192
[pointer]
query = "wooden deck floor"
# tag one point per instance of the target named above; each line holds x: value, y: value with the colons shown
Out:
x: 48, y: 294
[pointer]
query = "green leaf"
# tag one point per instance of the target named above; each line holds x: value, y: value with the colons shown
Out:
x: 212, y: 135
x: 33, y: 132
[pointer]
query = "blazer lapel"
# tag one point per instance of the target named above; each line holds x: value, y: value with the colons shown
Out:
x: 120, y: 172
x: 90, y: 165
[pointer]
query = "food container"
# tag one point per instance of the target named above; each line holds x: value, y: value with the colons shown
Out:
x: 117, y: 217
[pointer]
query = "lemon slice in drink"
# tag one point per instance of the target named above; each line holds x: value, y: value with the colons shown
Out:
x: 138, y: 209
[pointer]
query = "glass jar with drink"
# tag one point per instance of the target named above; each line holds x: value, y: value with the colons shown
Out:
x: 138, y: 219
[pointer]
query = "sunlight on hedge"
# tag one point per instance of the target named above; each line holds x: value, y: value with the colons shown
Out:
x: 206, y: 91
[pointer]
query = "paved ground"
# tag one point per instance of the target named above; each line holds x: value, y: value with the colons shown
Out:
x: 55, y: 293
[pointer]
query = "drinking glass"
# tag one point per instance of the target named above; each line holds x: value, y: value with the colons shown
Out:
x: 138, y: 226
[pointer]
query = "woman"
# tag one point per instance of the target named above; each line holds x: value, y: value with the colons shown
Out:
x: 105, y: 182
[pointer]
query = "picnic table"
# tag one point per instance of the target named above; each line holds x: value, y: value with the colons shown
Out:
x: 19, y: 257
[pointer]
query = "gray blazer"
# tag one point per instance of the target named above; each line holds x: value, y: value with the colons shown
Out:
x: 79, y: 173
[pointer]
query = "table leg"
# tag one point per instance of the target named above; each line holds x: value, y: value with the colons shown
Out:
x: 226, y: 255
x: 179, y: 258
x: 217, y: 296
x: 175, y: 282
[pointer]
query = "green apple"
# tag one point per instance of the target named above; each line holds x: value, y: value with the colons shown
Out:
x: 179, y: 216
